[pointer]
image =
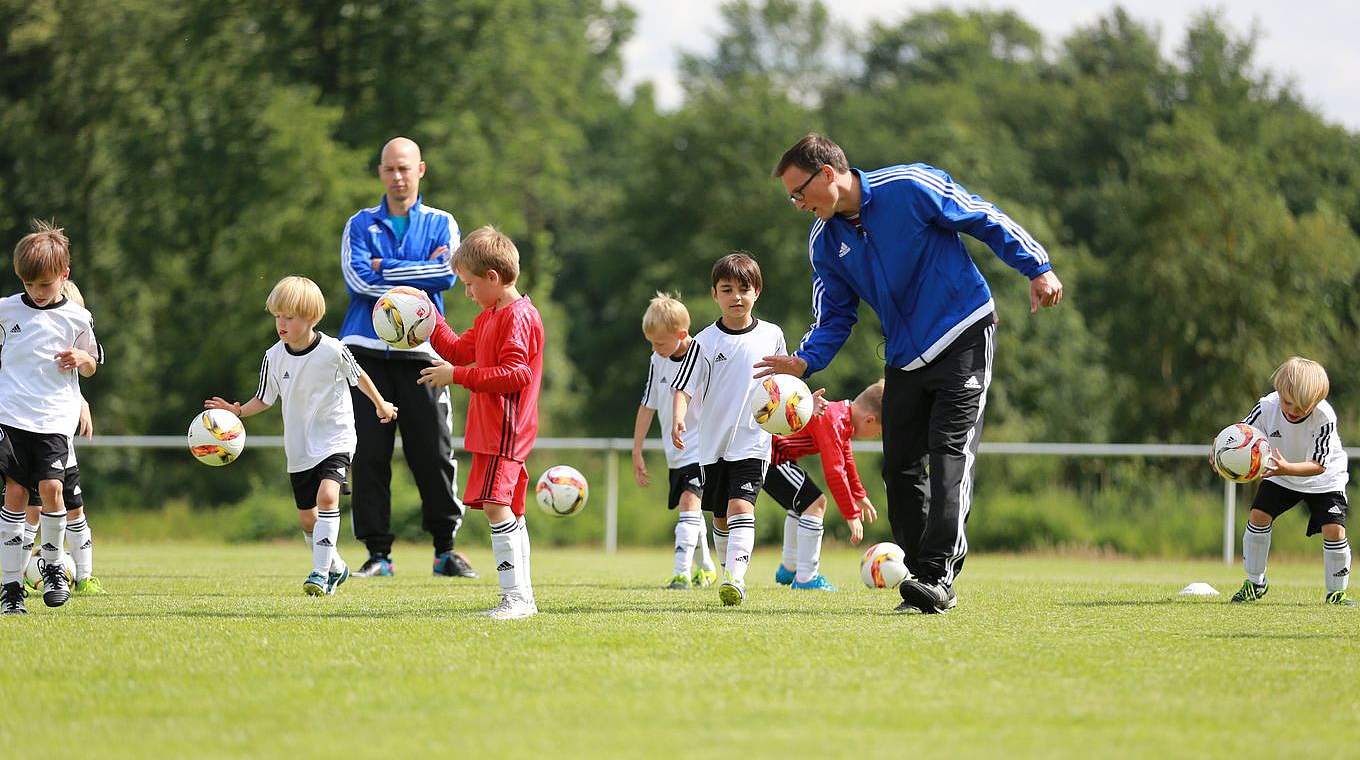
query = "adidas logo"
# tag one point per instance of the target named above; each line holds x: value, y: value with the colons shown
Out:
x: 502, y: 567
x: 972, y: 384
x: 695, y: 482
x: 1275, y: 434
x: 286, y: 375
x: 324, y: 542
x: 743, y: 558
x: 1335, y: 510
x: 87, y: 544
x: 720, y: 358
x: 679, y: 550
x: 748, y: 487
x: 57, y: 466
x: 341, y: 472
x: 48, y: 548
x: 16, y: 329
x: 844, y: 250
x: 16, y: 541
x: 1342, y: 573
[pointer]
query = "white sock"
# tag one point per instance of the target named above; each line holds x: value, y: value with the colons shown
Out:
x: 809, y: 547
x: 505, y: 551
x: 720, y: 545
x: 12, y: 557
x: 1255, y: 549
x: 705, y: 559
x: 1336, y: 561
x: 741, y: 531
x: 687, y: 529
x: 324, y: 536
x: 82, y: 548
x: 526, y: 588
x: 30, y: 536
x: 790, y: 557
x: 52, y: 533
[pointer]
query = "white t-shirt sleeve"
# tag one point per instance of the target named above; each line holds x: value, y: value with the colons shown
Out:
x: 87, y: 342
x: 649, y: 395
x: 1326, y: 440
x: 692, y: 376
x: 349, y: 368
x: 268, y: 391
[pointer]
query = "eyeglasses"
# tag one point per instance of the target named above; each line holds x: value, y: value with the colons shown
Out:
x: 797, y: 194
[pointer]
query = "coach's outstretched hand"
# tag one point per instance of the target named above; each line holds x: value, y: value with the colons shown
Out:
x: 781, y: 365
x: 1045, y: 290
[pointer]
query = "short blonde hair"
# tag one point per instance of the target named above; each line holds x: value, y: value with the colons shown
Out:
x: 70, y: 290
x: 295, y: 296
x: 871, y: 399
x: 665, y: 313
x: 487, y: 248
x: 44, y: 252
x: 1302, y: 382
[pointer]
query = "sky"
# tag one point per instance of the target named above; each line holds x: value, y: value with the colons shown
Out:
x: 1308, y: 42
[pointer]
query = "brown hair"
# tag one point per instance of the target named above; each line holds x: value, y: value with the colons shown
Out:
x: 738, y: 266
x: 812, y: 153
x: 487, y: 248
x: 44, y: 252
x: 871, y: 399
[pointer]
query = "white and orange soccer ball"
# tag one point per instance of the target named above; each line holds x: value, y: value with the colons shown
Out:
x: 782, y: 405
x: 883, y: 566
x: 403, y: 318
x: 216, y: 437
x: 1240, y: 452
x: 562, y: 491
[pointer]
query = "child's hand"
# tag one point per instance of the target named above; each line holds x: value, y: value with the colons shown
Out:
x: 866, y: 508
x: 819, y: 404
x: 640, y: 470
x: 408, y: 290
x: 856, y: 531
x: 677, y: 434
x: 438, y: 374
x: 217, y: 402
x: 86, y: 425
x: 75, y: 358
x: 1276, y: 464
x: 386, y: 411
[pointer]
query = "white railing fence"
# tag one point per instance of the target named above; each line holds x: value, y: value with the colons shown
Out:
x: 617, y: 447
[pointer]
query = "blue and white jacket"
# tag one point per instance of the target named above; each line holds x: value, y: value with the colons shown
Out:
x: 909, y: 264
x: 369, y: 235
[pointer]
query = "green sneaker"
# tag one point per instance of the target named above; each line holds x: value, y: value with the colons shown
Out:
x: 1339, y: 599
x: 679, y: 583
x: 704, y: 578
x: 731, y: 592
x: 1249, y: 592
x: 315, y: 585
x: 89, y: 587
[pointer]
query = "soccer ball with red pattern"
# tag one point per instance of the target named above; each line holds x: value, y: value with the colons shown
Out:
x: 883, y: 566
x: 403, y: 318
x: 562, y: 491
x: 782, y: 404
x: 216, y: 437
x: 1240, y: 452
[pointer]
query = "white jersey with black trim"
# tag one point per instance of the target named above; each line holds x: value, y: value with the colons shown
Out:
x: 35, y: 394
x: 720, y: 371
x: 313, y: 384
x: 659, y: 396
x: 1312, y: 439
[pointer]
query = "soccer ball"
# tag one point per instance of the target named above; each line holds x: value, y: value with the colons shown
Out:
x: 783, y: 404
x: 562, y: 491
x: 1241, y: 451
x: 34, y: 578
x: 216, y: 437
x: 403, y: 319
x: 883, y: 566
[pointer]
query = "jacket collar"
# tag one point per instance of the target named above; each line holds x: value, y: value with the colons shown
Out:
x: 865, y: 193
x: 384, y: 215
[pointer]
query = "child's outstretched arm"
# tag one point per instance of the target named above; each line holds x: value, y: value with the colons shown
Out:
x: 249, y: 409
x: 641, y: 425
x: 678, y: 425
x: 386, y: 411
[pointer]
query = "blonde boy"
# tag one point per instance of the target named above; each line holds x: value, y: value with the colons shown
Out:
x: 1308, y: 464
x: 499, y: 359
x: 49, y: 344
x: 665, y: 324
x: 310, y: 373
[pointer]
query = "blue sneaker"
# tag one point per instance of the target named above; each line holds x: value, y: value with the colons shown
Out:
x: 334, y: 579
x: 783, y: 576
x: 375, y: 567
x: 818, y: 583
x: 315, y: 585
x: 453, y: 565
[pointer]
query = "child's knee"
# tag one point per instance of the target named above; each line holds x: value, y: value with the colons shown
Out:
x: 817, y: 508
x: 50, y: 490
x: 1260, y: 519
x: 1333, y: 532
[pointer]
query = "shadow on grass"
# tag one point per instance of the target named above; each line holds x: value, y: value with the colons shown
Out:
x: 1122, y: 603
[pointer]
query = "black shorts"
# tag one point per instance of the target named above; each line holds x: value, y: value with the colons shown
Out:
x: 37, y: 456
x: 1323, y: 508
x: 724, y: 481
x: 688, y: 478
x: 306, y: 483
x: 9, y: 463
x: 70, y: 491
x: 789, y: 485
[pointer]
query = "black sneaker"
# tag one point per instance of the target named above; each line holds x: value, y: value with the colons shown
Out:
x: 453, y: 565
x: 374, y: 567
x: 12, y: 599
x: 56, y: 589
x: 930, y: 598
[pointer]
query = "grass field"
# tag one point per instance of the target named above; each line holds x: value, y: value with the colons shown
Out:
x: 209, y: 650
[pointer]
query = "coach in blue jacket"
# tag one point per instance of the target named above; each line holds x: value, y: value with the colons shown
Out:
x: 890, y: 237
x: 401, y: 241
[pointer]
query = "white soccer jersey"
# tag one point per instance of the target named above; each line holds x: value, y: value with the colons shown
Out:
x: 659, y: 395
x: 1313, y: 439
x: 313, y: 384
x: 720, y: 371
x: 35, y: 394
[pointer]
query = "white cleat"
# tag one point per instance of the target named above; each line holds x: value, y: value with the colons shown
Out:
x: 513, y: 608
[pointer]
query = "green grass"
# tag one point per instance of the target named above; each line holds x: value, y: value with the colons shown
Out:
x: 209, y: 650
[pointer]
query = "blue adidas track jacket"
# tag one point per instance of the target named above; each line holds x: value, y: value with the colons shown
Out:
x: 369, y: 235
x: 909, y: 264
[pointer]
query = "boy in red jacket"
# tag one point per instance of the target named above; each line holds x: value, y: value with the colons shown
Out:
x: 828, y: 434
x: 500, y: 359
